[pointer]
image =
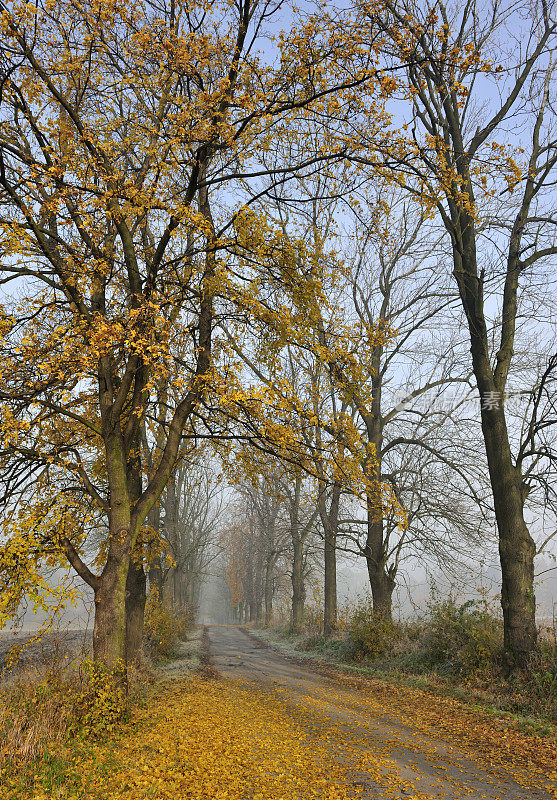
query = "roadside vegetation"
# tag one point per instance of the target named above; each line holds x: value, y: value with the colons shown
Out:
x: 67, y: 697
x: 451, y: 647
x: 201, y: 737
x: 165, y: 627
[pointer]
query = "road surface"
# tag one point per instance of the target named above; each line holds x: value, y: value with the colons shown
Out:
x: 390, y: 744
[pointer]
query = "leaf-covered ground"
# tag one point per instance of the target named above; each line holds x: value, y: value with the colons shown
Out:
x: 270, y: 729
x: 200, y: 739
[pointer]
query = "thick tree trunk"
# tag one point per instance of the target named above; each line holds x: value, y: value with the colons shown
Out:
x: 516, y: 547
x: 109, y: 628
x: 298, y: 590
x: 382, y: 588
x: 136, y: 595
x: 382, y: 581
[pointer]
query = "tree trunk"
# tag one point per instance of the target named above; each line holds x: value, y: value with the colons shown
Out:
x: 259, y: 581
x: 109, y: 628
x: 298, y: 591
x: 155, y: 570
x: 330, y: 585
x: 155, y: 575
x: 329, y: 520
x: 171, y: 533
x: 136, y: 595
x: 381, y: 580
x: 136, y: 590
x: 177, y: 591
x: 269, y: 591
x: 382, y: 588
x: 168, y: 587
x: 516, y: 547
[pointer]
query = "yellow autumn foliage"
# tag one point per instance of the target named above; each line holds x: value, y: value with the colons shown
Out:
x: 197, y: 739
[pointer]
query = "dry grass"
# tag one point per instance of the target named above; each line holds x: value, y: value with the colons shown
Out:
x: 37, y: 711
x: 45, y: 705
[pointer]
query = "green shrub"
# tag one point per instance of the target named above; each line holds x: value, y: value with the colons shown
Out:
x: 372, y: 635
x: 452, y: 639
x: 538, y: 685
x: 462, y: 639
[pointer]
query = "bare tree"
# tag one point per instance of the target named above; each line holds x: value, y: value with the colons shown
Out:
x: 453, y: 161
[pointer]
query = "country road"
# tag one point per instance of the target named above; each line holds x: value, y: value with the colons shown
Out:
x: 391, y: 741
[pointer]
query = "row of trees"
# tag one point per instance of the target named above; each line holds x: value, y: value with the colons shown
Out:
x: 301, y: 502
x: 274, y: 253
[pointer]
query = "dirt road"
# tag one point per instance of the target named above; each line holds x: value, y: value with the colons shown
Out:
x: 393, y: 741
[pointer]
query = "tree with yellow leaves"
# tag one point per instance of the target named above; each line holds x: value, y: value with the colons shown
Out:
x: 130, y: 146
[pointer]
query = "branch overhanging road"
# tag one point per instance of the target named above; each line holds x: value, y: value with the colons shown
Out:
x: 390, y: 741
